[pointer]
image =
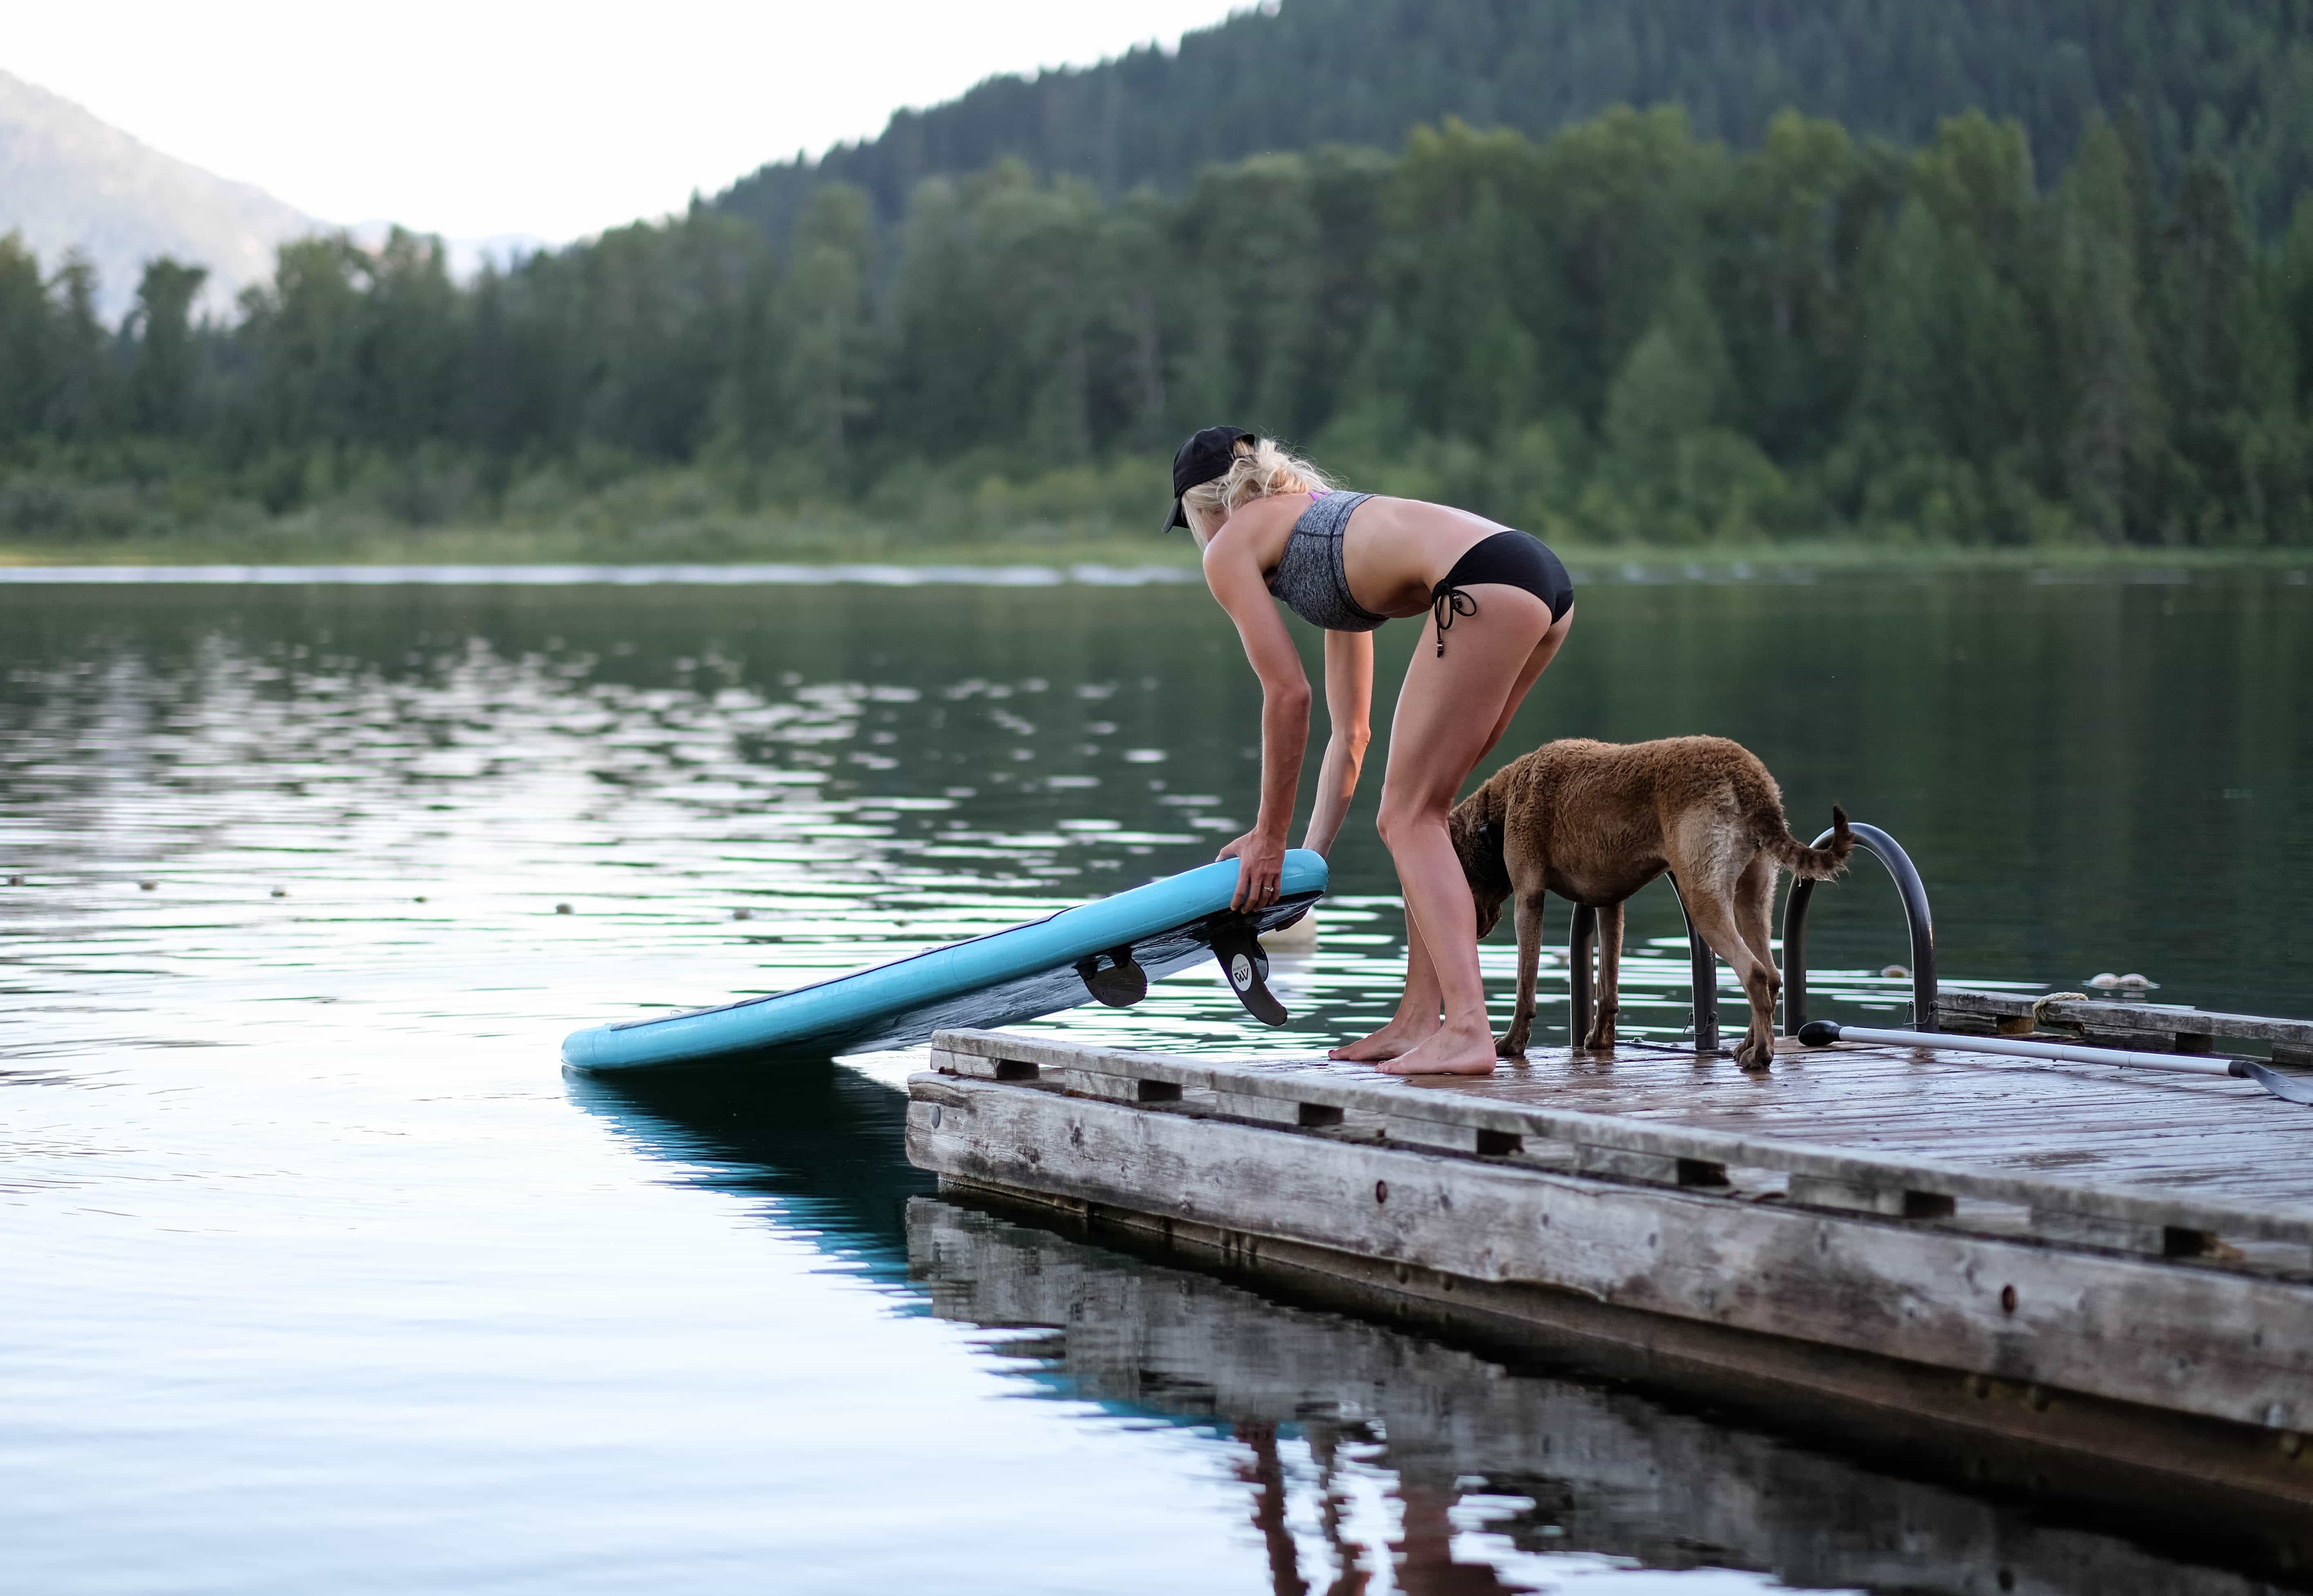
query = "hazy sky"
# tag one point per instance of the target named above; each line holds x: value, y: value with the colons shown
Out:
x: 479, y: 117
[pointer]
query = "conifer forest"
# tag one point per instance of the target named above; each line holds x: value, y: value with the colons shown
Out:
x: 1912, y: 290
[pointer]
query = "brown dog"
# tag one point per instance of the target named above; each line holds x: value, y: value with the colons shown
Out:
x: 1595, y: 822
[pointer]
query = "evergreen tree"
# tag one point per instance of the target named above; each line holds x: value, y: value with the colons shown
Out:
x: 830, y: 360
x: 2228, y: 79
x: 27, y: 372
x: 81, y: 404
x: 2115, y: 425
x: 1621, y: 330
x: 160, y: 382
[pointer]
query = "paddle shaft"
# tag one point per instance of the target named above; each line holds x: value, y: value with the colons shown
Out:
x: 2182, y: 1063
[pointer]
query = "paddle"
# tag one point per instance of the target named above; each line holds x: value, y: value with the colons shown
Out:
x: 1821, y: 1033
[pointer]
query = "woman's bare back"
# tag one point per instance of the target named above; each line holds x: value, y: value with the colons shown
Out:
x: 1395, y: 551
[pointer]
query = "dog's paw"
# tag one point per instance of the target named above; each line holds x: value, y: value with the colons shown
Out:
x: 1508, y: 1048
x: 1755, y: 1056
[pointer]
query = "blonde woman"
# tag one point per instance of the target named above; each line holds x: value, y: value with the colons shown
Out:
x: 1500, y: 607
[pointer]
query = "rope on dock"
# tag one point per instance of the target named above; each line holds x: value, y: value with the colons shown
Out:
x: 2040, y: 1007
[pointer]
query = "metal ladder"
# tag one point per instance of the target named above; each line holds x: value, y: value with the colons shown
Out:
x: 1583, y: 935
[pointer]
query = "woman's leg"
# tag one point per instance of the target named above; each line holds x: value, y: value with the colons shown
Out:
x: 1416, y: 1019
x: 1449, y: 712
x: 1536, y: 663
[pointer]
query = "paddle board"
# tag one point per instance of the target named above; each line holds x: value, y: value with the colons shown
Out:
x: 1105, y: 951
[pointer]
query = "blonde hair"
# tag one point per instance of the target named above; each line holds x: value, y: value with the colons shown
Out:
x: 1263, y: 473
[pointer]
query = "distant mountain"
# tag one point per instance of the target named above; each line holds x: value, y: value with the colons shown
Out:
x: 68, y: 180
x: 2231, y: 79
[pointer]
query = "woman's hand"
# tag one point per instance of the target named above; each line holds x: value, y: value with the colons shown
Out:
x: 1260, y: 865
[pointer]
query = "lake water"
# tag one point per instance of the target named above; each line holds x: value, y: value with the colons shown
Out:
x: 319, y: 1275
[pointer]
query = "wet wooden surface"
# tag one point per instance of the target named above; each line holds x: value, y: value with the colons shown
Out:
x: 2215, y: 1137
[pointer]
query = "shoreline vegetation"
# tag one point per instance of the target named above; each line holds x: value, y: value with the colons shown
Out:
x: 739, y: 543
x: 1621, y: 337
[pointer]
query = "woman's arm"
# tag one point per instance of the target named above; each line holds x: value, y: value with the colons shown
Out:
x: 1349, y: 706
x: 1234, y: 575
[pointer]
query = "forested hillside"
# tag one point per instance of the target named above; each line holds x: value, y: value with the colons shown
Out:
x: 1624, y: 331
x: 2230, y: 80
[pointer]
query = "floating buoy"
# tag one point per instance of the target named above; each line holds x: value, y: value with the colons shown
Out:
x: 743, y: 914
x: 1896, y: 972
x: 2109, y: 982
x: 418, y: 899
x: 16, y: 881
x: 280, y: 892
x: 562, y: 908
x: 147, y: 886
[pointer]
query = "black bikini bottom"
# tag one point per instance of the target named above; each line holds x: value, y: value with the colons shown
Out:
x: 1513, y: 559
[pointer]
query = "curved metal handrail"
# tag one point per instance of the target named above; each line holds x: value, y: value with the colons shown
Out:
x: 1702, y: 966
x: 1582, y: 935
x: 1581, y: 939
x: 1890, y: 853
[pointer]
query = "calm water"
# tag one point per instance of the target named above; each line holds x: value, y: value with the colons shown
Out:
x: 319, y: 1275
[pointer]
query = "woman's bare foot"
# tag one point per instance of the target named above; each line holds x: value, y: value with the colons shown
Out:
x: 1454, y: 1050
x: 1398, y: 1036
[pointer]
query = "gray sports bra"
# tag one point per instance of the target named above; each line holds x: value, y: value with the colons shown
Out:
x: 1310, y: 577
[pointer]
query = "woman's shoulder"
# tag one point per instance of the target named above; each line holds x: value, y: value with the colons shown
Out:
x: 1281, y: 510
x: 1421, y: 511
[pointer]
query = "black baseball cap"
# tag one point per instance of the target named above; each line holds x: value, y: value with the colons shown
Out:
x: 1205, y: 455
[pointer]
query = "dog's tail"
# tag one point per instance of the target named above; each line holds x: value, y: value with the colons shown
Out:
x: 1814, y: 864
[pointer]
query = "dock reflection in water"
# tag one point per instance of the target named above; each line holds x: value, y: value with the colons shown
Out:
x: 1374, y: 1459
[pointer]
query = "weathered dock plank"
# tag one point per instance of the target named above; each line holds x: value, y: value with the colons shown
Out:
x: 2167, y: 1025
x: 1677, y: 1110
x: 2179, y: 1290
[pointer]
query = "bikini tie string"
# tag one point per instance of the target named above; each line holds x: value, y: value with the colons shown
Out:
x: 1444, y: 605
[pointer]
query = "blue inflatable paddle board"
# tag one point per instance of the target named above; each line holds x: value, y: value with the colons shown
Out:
x: 1106, y: 951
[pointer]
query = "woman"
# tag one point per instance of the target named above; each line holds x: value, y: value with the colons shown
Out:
x: 1500, y: 607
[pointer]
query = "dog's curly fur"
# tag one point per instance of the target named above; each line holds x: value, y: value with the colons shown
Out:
x: 1595, y: 822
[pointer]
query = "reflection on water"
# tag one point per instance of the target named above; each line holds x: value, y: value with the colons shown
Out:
x: 1369, y: 1447
x: 822, y: 1145
x: 317, y: 1270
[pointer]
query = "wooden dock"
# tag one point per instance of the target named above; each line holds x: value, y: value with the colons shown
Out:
x: 2114, y: 1265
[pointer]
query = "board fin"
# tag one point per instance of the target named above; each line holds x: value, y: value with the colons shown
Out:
x: 1122, y: 984
x: 1236, y: 944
